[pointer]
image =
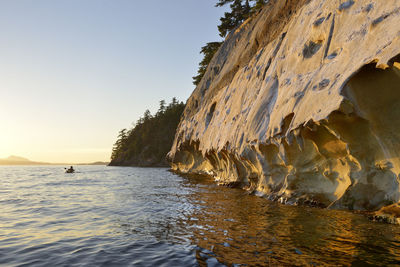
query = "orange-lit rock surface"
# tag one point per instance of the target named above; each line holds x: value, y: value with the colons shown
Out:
x: 302, y: 104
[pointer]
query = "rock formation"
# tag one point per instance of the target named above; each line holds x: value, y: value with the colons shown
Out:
x: 302, y: 104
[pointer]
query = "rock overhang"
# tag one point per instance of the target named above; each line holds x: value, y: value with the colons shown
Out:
x: 278, y: 109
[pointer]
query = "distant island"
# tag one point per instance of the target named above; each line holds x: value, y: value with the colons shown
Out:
x: 16, y: 160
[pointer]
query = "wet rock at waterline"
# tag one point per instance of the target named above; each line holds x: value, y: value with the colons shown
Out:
x: 302, y: 104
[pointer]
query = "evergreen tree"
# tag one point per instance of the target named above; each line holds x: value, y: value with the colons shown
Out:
x: 162, y: 106
x: 258, y: 5
x: 148, y: 142
x: 147, y: 115
x: 223, y: 2
x: 240, y: 10
x: 208, y: 51
x: 122, y: 136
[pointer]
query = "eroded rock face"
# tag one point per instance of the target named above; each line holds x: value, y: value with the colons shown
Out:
x: 302, y: 104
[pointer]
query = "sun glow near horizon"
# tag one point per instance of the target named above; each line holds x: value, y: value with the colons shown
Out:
x: 74, y: 73
x: 39, y: 152
x: 33, y: 134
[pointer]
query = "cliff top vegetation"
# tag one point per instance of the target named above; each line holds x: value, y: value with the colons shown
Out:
x: 240, y: 10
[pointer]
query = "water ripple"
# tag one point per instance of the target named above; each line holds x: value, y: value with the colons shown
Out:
x: 109, y: 216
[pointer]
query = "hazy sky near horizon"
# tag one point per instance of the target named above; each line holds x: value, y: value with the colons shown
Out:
x: 75, y: 72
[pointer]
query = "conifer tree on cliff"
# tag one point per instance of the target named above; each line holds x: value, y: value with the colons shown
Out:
x: 230, y: 20
x: 208, y: 51
x: 259, y: 4
x: 240, y: 10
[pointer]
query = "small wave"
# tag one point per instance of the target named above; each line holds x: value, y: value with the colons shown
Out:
x: 148, y: 217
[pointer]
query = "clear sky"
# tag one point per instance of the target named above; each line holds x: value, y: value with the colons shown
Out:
x: 75, y: 72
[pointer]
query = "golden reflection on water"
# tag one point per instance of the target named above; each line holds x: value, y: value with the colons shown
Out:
x: 238, y: 228
x: 49, y: 213
x: 129, y: 212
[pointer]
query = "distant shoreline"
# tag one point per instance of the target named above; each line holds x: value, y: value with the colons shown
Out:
x: 18, y: 161
x: 53, y: 164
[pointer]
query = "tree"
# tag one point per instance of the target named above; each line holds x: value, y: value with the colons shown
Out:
x: 208, y: 51
x: 258, y: 5
x: 239, y: 12
x: 162, y: 106
x: 150, y: 139
x: 147, y: 115
x: 221, y: 3
x: 122, y: 137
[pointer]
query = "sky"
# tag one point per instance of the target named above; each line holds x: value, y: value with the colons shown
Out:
x: 75, y: 72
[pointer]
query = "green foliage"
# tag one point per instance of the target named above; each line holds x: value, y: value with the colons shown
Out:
x: 148, y: 142
x: 223, y: 2
x: 258, y: 5
x: 240, y: 10
x: 208, y: 50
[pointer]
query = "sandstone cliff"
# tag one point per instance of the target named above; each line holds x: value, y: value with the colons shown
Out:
x: 302, y: 104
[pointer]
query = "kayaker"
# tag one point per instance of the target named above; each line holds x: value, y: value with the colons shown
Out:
x: 70, y: 170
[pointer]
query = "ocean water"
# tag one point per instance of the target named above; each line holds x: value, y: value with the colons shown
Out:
x: 114, y: 216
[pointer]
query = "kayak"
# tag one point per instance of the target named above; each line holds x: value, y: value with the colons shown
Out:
x: 69, y: 171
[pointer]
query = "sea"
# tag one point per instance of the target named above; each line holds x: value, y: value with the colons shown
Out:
x: 126, y: 216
